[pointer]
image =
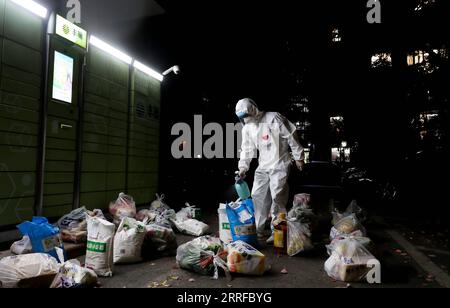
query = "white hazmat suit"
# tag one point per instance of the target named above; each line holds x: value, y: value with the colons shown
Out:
x: 272, y: 136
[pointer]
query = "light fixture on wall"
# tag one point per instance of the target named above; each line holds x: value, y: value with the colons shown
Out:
x: 33, y: 7
x: 175, y: 69
x: 93, y: 40
x: 147, y: 70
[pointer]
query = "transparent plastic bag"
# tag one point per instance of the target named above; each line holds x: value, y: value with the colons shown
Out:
x: 347, y: 225
x: 349, y: 261
x: 123, y: 207
x: 158, y: 205
x: 158, y: 240
x: 204, y: 255
x: 302, y: 199
x: 74, y: 221
x: 298, y: 238
x: 22, y: 247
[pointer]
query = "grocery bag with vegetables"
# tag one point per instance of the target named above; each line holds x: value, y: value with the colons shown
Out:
x: 204, y: 255
x: 298, y: 237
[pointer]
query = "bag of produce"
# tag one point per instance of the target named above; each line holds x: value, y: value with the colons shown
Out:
x: 204, y: 255
x: 348, y: 261
x: 72, y: 276
x: 158, y: 241
x: 347, y: 225
x: 123, y: 207
x: 99, y: 254
x: 244, y: 259
x: 128, y: 241
x: 298, y: 237
x: 158, y: 205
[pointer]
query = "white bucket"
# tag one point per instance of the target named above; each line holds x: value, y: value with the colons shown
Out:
x: 224, y: 225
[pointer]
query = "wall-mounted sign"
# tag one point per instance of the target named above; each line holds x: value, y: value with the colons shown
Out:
x: 71, y: 32
x: 63, y: 78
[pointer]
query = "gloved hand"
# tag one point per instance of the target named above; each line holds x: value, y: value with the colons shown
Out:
x: 242, y: 173
x: 300, y: 164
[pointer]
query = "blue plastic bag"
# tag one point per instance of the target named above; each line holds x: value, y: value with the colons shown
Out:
x: 242, y: 221
x: 44, y: 236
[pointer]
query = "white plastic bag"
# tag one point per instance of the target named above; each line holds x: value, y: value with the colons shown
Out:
x: 158, y: 205
x: 72, y: 275
x: 192, y: 227
x: 298, y: 237
x: 349, y: 261
x: 99, y: 254
x: 244, y: 259
x: 16, y: 268
x: 128, y: 241
x: 22, y: 247
x: 224, y: 225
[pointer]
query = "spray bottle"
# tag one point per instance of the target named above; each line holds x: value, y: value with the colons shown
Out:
x: 242, y: 188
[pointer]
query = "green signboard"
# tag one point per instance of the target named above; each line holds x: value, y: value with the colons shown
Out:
x: 71, y: 32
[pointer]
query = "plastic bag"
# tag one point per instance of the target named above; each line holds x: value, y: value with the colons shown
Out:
x: 158, y: 240
x: 242, y: 221
x: 192, y: 227
x: 123, y: 207
x: 298, y: 238
x: 302, y: 199
x: 22, y: 247
x: 224, y: 225
x: 357, y: 236
x: 71, y: 275
x: 128, y: 241
x: 347, y: 225
x: 17, y: 268
x: 352, y: 209
x: 165, y: 218
x: 204, y: 255
x: 74, y: 221
x: 303, y: 214
x: 189, y: 212
x: 158, y: 205
x: 244, y: 259
x: 146, y: 216
x: 44, y: 237
x: 348, y: 261
x: 99, y: 254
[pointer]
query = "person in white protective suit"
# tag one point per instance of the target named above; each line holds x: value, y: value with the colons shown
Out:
x: 273, y: 136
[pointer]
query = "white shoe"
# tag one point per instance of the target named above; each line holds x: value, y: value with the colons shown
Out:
x: 270, y: 241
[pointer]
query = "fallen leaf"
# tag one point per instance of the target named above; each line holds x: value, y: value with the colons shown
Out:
x: 152, y: 264
x: 175, y: 278
x: 284, y: 271
x: 229, y: 285
x: 192, y: 280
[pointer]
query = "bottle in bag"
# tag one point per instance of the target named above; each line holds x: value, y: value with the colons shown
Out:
x: 280, y: 235
x: 242, y: 188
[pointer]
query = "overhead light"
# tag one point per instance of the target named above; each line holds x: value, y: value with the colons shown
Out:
x: 33, y: 7
x: 344, y: 144
x: 147, y: 70
x: 109, y: 49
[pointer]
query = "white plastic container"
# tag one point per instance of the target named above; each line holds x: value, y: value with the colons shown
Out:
x: 224, y: 225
